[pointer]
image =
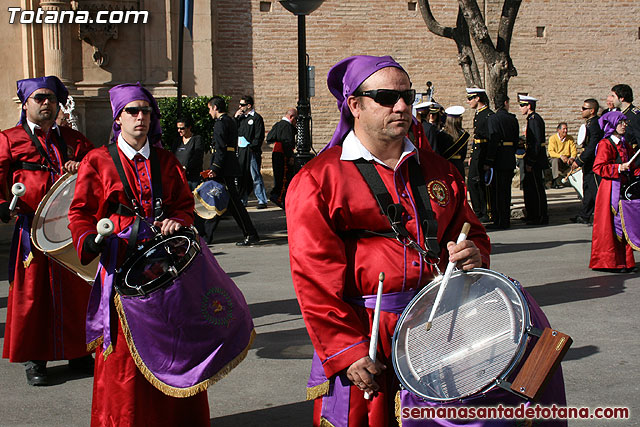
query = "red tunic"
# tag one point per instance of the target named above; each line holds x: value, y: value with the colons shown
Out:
x: 327, y: 200
x: 47, y: 303
x: 606, y: 250
x: 121, y: 394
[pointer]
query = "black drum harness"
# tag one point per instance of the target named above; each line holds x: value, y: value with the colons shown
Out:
x: 393, y: 211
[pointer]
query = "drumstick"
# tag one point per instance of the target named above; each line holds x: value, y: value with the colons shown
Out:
x: 373, y: 345
x: 447, y: 274
x: 18, y: 189
x: 634, y: 157
x: 566, y: 178
x: 104, y: 228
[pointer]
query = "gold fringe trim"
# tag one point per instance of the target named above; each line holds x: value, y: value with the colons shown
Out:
x: 208, y: 206
x: 624, y: 230
x: 398, y: 407
x: 318, y: 390
x: 167, y: 389
x: 325, y: 423
x: 94, y: 344
x: 27, y: 261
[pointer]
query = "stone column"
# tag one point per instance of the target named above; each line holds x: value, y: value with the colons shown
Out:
x: 57, y: 61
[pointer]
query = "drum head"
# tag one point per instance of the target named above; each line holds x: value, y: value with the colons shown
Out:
x: 477, y: 336
x: 50, y: 229
x: 158, y: 262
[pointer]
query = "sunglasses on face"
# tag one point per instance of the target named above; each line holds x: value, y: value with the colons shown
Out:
x: 181, y: 128
x: 134, y: 111
x: 389, y: 97
x: 41, y: 97
x: 243, y: 105
x: 586, y: 108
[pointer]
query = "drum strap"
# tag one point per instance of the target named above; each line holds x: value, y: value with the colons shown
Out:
x: 41, y: 150
x: 393, y: 211
x: 31, y: 166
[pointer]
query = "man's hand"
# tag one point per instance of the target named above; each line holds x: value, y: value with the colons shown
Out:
x: 168, y: 226
x: 564, y: 158
x: 71, y: 166
x: 465, y: 254
x: 574, y: 166
x: 361, y: 373
x: 211, y: 174
x: 239, y: 113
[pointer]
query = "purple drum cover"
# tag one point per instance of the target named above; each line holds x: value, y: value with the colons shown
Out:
x: 190, y: 334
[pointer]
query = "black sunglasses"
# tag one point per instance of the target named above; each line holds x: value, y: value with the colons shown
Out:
x: 181, y: 128
x: 389, y: 97
x: 586, y: 108
x: 243, y: 105
x: 134, y: 111
x: 41, y: 97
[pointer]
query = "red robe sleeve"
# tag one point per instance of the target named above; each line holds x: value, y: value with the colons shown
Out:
x: 318, y: 266
x: 5, y: 165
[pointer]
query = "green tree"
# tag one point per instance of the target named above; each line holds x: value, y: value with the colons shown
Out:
x: 196, y: 108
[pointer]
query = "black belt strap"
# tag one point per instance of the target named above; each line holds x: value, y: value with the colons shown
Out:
x: 31, y: 166
x: 393, y: 211
x: 42, y: 151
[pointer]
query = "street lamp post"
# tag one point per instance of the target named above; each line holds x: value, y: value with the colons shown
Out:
x: 301, y: 8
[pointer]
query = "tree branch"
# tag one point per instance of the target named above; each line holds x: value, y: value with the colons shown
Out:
x: 478, y: 29
x: 507, y: 21
x: 432, y: 23
x: 466, y: 57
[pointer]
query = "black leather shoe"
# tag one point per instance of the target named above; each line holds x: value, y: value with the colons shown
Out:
x: 249, y: 241
x: 36, y: 373
x: 83, y: 365
x: 262, y: 206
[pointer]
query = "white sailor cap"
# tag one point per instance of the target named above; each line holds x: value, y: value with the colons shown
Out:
x: 526, y: 99
x: 454, y: 110
x: 430, y: 105
x: 474, y: 91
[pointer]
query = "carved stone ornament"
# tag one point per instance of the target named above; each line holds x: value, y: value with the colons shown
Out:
x: 98, y: 34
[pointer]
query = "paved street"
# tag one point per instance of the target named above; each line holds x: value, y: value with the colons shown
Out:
x: 599, y: 311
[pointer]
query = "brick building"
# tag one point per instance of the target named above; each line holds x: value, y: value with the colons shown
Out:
x: 564, y: 52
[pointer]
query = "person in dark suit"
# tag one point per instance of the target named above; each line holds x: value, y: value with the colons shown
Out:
x: 622, y: 98
x: 590, y: 180
x: 478, y: 100
x: 225, y: 168
x: 535, y: 160
x: 501, y: 156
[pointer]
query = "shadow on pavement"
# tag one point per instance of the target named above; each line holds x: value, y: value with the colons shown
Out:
x: 579, y: 289
x: 295, y: 414
x: 578, y: 353
x: 287, y: 306
x: 287, y: 344
x: 3, y: 302
x: 1, y: 330
x: 61, y: 374
x: 504, y: 248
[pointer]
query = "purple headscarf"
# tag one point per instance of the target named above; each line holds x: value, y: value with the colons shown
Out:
x: 123, y: 94
x: 343, y: 80
x: 27, y: 86
x: 609, y: 121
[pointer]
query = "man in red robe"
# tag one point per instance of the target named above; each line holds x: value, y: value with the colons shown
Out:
x: 121, y: 393
x: 337, y: 247
x: 608, y: 251
x: 47, y: 303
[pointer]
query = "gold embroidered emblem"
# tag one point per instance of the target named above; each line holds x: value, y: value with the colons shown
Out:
x: 439, y: 192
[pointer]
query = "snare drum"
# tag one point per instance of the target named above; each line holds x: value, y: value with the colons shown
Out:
x: 478, y: 338
x: 50, y: 228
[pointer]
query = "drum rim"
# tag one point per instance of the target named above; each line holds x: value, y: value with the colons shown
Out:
x: 514, y: 361
x: 123, y: 272
x: 37, y: 216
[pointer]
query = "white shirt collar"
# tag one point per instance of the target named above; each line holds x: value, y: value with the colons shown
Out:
x: 353, y: 149
x: 286, y: 118
x: 615, y: 139
x: 34, y: 126
x: 130, y: 152
x: 251, y: 113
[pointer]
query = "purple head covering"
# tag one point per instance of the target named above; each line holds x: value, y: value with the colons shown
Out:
x: 609, y: 121
x: 27, y: 86
x: 343, y: 80
x: 123, y: 94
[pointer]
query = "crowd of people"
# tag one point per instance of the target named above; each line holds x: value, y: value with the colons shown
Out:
x: 387, y: 192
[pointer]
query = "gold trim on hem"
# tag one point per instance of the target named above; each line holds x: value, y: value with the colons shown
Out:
x: 325, y: 423
x: 208, y: 206
x: 624, y: 229
x: 398, y: 408
x: 167, y: 389
x: 318, y: 390
x: 27, y: 261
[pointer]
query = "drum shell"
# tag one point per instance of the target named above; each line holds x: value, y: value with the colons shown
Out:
x: 61, y: 250
x: 401, y: 335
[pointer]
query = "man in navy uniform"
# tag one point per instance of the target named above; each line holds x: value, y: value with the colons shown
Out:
x: 501, y: 156
x: 622, y: 97
x: 535, y: 160
x: 478, y: 100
